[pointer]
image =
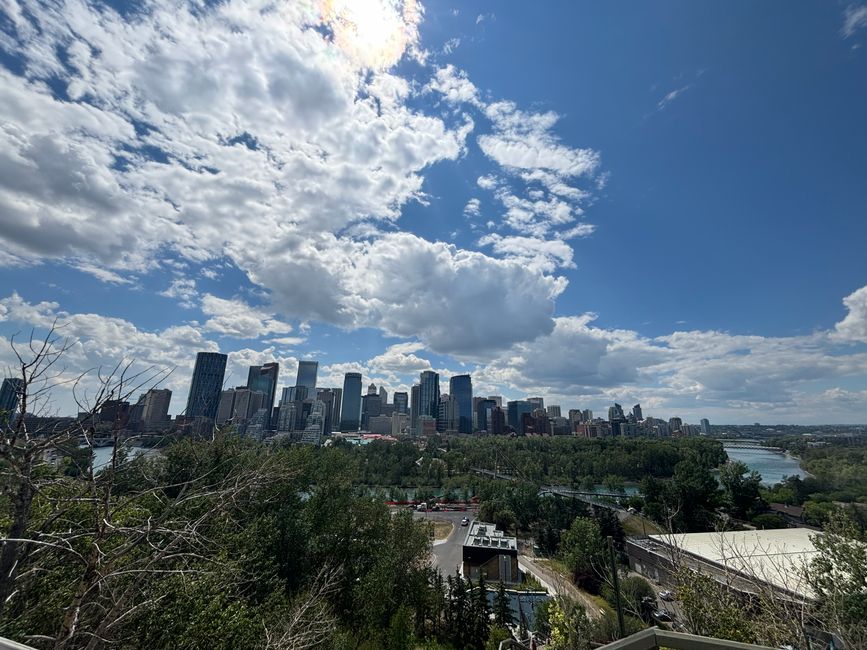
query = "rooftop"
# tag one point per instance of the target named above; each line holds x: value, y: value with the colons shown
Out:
x: 777, y: 557
x: 486, y: 535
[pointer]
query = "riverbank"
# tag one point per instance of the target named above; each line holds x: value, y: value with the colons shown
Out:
x: 771, y: 464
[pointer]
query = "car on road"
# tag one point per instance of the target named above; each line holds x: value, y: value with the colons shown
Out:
x: 465, y: 521
x: 666, y: 595
x: 662, y: 615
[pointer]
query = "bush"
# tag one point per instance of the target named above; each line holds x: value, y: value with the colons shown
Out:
x: 769, y: 520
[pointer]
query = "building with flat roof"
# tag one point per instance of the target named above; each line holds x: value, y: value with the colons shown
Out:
x: 747, y: 560
x: 490, y: 552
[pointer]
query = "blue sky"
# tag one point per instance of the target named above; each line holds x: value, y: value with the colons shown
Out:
x: 593, y: 202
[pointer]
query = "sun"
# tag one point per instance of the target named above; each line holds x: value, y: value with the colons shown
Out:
x: 373, y: 33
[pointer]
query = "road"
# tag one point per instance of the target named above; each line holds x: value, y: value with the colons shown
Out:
x: 448, y: 553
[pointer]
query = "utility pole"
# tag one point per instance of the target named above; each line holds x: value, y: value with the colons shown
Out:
x: 616, y: 582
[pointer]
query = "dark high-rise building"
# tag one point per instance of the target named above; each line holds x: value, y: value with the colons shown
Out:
x: 383, y: 394
x: 461, y: 390
x: 636, y: 411
x: 429, y: 394
x: 226, y: 406
x: 156, y: 406
x: 553, y: 411
x: 705, y: 426
x: 414, y: 408
x: 264, y: 380
x: 326, y: 396
x: 401, y: 400
x: 306, y: 377
x: 114, y: 412
x: 515, y: 413
x: 497, y: 425
x: 335, y: 408
x: 204, y: 397
x: 351, y: 410
x: 484, y: 407
x: 9, y: 396
x: 371, y: 406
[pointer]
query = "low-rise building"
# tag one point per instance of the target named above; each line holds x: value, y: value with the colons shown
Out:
x: 490, y: 552
x: 748, y: 561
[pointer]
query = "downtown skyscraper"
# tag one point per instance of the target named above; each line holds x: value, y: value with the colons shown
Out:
x: 264, y: 380
x: 429, y: 394
x: 461, y: 390
x: 350, y: 416
x: 206, y: 385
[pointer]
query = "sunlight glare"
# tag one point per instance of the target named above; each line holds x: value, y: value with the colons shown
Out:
x: 373, y: 33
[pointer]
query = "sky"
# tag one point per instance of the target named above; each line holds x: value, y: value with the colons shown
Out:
x: 593, y: 202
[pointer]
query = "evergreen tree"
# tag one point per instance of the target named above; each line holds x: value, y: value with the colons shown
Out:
x: 481, y: 615
x: 502, y: 611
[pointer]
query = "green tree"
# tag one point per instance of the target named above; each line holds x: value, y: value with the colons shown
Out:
x: 568, y: 626
x: 839, y: 577
x: 502, y: 609
x: 712, y: 609
x: 583, y: 551
x: 741, y: 489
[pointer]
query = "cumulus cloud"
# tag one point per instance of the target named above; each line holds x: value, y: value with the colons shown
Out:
x: 692, y: 372
x: 854, y: 326
x: 411, y: 287
x: 150, y: 157
x: 538, y: 254
x: 235, y: 318
x: 183, y: 290
x: 473, y: 208
x: 454, y: 86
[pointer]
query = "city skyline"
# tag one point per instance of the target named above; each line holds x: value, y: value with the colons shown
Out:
x: 678, y: 224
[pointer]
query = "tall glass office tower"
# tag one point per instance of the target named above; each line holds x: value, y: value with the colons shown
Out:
x: 350, y: 416
x: 206, y: 385
x: 264, y: 380
x: 9, y: 395
x: 307, y: 376
x: 461, y: 390
x: 429, y: 394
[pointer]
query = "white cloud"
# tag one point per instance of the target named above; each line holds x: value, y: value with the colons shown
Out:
x: 537, y: 254
x: 237, y: 319
x: 854, y: 326
x: 473, y: 208
x: 451, y: 45
x: 670, y: 97
x: 102, y: 342
x: 411, y: 287
x: 454, y: 86
x: 183, y: 290
x: 854, y: 18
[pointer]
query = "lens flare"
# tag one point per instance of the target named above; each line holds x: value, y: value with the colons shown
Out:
x: 373, y: 33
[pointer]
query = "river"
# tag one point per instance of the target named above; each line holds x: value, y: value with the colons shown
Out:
x: 772, y: 465
x: 102, y: 455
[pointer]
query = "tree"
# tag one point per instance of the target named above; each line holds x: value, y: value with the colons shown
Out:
x: 839, y: 577
x: 583, y: 551
x: 568, y: 625
x: 741, y: 488
x: 502, y: 608
x: 481, y: 615
x: 712, y: 609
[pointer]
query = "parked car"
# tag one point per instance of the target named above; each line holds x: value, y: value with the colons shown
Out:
x: 465, y: 521
x: 662, y: 615
x: 666, y: 595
